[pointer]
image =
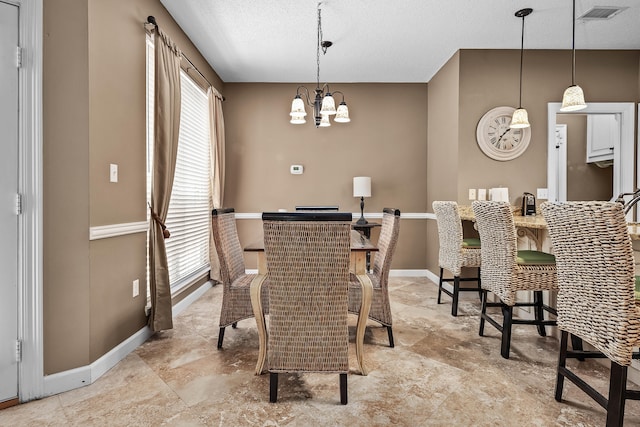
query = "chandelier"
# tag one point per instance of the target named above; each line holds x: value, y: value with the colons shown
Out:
x: 323, y: 105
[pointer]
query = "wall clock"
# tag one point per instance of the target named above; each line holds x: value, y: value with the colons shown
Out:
x: 496, y: 139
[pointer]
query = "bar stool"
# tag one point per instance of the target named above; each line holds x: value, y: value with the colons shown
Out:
x: 507, y: 270
x: 455, y: 252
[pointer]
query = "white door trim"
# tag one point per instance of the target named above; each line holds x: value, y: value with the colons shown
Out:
x: 30, y: 327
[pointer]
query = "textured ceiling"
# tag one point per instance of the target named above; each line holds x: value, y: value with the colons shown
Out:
x: 383, y: 40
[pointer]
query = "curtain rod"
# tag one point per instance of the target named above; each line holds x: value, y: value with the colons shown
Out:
x: 152, y: 21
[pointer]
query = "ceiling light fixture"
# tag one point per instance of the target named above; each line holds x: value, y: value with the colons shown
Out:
x: 573, y: 98
x: 520, y: 118
x: 323, y: 104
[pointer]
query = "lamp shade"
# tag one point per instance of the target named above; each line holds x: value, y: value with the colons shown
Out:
x: 362, y: 186
x: 520, y: 119
x: 324, y: 121
x: 297, y: 107
x: 573, y: 99
x: 342, y: 114
x: 298, y: 120
x: 328, y: 105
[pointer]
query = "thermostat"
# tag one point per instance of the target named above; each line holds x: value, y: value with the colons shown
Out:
x: 297, y: 169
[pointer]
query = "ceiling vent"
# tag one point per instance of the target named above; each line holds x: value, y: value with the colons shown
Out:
x: 602, y: 12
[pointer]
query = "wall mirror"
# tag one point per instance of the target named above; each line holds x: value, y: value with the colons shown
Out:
x: 605, y: 133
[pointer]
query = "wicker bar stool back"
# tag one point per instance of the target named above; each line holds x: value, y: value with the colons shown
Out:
x: 380, y: 306
x: 236, y: 297
x: 308, y: 264
x: 507, y: 270
x: 596, y: 294
x: 455, y: 252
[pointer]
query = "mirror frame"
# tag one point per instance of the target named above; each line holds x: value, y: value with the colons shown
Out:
x: 623, y: 154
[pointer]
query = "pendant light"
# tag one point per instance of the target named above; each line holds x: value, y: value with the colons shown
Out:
x: 573, y: 98
x: 520, y: 118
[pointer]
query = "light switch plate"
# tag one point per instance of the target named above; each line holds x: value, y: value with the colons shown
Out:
x: 136, y: 288
x: 472, y: 194
x: 113, y: 172
x: 482, y: 194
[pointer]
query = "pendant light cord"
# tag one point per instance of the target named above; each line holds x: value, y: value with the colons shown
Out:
x: 573, y: 47
x: 521, y: 61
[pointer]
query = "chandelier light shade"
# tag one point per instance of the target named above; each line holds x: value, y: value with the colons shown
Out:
x: 573, y: 98
x: 342, y: 114
x: 323, y: 104
x: 520, y: 118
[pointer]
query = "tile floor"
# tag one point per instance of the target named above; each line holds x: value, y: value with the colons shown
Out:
x: 441, y: 373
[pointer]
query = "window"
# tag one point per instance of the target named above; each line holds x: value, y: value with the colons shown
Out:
x: 189, y: 215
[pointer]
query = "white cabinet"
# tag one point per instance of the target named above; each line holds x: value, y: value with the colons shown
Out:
x: 603, y: 130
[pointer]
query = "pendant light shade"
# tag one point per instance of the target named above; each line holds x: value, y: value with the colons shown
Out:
x: 573, y: 98
x: 520, y: 118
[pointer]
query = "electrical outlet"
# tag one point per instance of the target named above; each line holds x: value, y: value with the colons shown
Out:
x: 136, y: 288
x: 543, y: 193
x: 482, y: 194
x: 472, y: 194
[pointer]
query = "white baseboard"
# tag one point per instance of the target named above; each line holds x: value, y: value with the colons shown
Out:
x: 85, y: 375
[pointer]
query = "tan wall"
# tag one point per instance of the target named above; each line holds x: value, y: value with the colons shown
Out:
x: 585, y: 181
x: 386, y: 140
x: 442, y: 149
x: 94, y: 115
x: 66, y: 293
x: 489, y: 78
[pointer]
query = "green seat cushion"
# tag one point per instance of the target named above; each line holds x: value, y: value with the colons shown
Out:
x: 535, y: 258
x: 637, y: 290
x: 471, y: 242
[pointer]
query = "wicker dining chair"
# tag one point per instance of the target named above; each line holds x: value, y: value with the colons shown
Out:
x: 507, y: 270
x: 308, y: 256
x: 380, y: 306
x: 236, y: 297
x: 596, y: 299
x: 455, y: 252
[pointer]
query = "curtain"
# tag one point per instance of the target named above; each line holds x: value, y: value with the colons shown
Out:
x: 216, y: 121
x: 165, y: 148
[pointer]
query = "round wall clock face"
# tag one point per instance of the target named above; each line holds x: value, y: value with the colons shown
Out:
x: 496, y: 139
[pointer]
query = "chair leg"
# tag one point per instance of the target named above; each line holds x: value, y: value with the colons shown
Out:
x: 220, y: 337
x: 273, y: 387
x: 343, y: 389
x: 440, y: 284
x: 562, y: 363
x: 617, y: 390
x: 507, y: 314
x: 390, y: 333
x: 483, y: 312
x: 539, y: 312
x: 479, y: 285
x: 576, y: 344
x: 456, y: 294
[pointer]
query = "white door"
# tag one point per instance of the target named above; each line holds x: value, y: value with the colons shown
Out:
x: 8, y: 205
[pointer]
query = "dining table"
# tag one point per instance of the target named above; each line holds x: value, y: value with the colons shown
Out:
x: 360, y: 246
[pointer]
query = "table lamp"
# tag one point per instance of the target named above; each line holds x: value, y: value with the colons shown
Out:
x: 362, y: 189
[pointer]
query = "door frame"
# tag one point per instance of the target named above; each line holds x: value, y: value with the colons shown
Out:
x: 623, y: 153
x: 30, y: 171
